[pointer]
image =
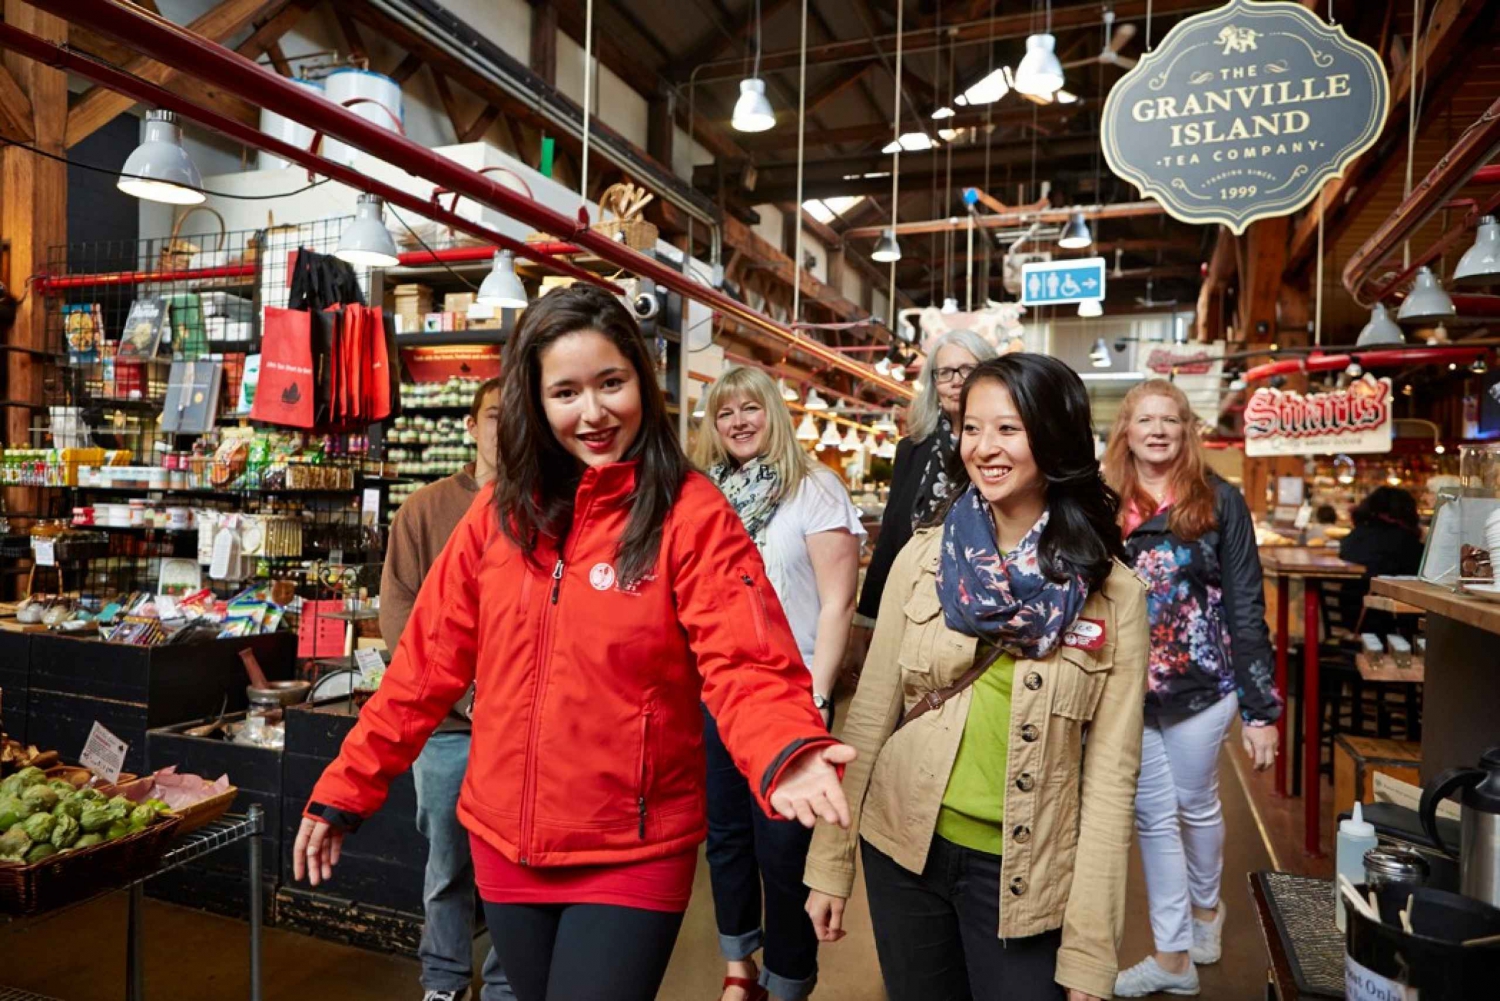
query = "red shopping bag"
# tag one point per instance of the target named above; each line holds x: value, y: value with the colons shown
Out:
x: 379, y: 381
x: 285, y: 393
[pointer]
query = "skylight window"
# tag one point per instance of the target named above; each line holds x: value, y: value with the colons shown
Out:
x: 825, y: 210
x: 989, y: 90
x: 911, y: 142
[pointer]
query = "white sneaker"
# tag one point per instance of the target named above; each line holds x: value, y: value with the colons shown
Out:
x: 1146, y: 977
x: 1207, y: 937
x: 462, y: 994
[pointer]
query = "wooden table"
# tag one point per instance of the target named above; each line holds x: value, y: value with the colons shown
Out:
x: 1312, y: 568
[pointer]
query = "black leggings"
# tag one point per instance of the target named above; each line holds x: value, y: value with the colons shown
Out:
x: 582, y: 952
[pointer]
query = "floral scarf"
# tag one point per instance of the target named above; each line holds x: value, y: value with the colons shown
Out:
x: 751, y: 488
x: 933, y: 487
x: 1003, y: 598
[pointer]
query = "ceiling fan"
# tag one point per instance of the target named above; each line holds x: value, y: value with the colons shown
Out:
x: 1150, y: 303
x: 1110, y: 54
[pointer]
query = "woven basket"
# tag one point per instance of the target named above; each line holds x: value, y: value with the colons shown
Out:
x: 200, y: 814
x: 80, y: 776
x: 72, y: 876
x: 177, y: 253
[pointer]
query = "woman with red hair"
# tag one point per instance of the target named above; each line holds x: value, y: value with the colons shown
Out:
x: 1190, y: 535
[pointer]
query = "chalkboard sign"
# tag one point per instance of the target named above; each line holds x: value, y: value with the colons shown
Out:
x: 1244, y: 113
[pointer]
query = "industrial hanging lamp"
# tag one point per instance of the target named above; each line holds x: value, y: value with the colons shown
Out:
x: 851, y: 440
x: 1076, y: 235
x: 1099, y: 356
x: 159, y: 169
x: 1480, y: 264
x: 814, y: 401
x: 1427, y: 302
x: 787, y: 392
x: 1380, y: 330
x: 950, y: 306
x: 887, y: 250
x: 807, y: 430
x: 1090, y: 308
x: 830, y: 438
x: 365, y: 241
x: 886, y: 425
x: 752, y: 112
x: 1040, y: 74
x: 502, y: 288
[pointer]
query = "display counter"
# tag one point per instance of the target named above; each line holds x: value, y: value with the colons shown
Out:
x: 1462, y: 683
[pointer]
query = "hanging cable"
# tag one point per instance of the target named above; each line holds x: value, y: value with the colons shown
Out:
x: 588, y: 103
x: 801, y: 135
x: 1411, y: 113
x: 1148, y: 25
x: 948, y: 187
x: 896, y: 156
x: 989, y: 138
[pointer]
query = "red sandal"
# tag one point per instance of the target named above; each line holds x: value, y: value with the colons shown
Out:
x: 753, y: 990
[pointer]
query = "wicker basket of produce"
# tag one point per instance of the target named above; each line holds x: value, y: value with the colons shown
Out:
x: 61, y: 844
x: 77, y: 776
x: 195, y: 801
x: 625, y: 201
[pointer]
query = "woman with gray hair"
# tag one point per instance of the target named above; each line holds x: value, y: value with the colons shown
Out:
x: 919, y: 481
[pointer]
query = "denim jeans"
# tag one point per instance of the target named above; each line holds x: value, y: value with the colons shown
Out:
x: 750, y: 856
x: 447, y: 947
x: 937, y: 933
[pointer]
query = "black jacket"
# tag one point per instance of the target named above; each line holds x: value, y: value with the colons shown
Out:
x: 1208, y: 613
x: 895, y: 523
x: 1384, y: 550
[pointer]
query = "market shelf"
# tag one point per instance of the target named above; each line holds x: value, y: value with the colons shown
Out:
x: 450, y: 338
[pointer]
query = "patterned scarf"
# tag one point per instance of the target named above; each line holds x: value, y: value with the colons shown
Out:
x: 933, y: 487
x: 1005, y: 599
x: 751, y: 489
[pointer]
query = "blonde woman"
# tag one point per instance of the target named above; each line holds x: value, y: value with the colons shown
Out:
x: 809, y: 534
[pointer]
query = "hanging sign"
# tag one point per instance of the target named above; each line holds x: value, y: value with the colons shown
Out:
x: 1357, y: 419
x: 1244, y: 113
x: 1057, y: 283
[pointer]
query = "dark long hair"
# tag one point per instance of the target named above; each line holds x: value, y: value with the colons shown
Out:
x: 537, y: 478
x: 1081, y: 536
x: 1391, y: 505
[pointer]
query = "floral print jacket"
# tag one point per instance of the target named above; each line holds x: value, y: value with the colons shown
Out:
x: 1207, y: 609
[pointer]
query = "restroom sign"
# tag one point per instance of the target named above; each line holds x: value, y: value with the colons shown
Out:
x: 1244, y: 113
x: 1057, y: 283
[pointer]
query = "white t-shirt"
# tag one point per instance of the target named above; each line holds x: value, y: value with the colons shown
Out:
x: 821, y: 504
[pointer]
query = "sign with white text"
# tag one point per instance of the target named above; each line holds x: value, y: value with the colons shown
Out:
x: 1057, y: 283
x: 1244, y: 113
x: 1357, y: 419
x: 104, y: 754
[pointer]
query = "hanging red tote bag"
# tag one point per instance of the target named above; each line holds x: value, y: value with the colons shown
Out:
x: 285, y: 393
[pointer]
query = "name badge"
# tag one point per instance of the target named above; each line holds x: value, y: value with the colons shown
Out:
x: 1086, y: 634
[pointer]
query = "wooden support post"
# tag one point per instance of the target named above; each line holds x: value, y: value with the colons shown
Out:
x: 1263, y: 262
x: 660, y: 127
x: 544, y: 41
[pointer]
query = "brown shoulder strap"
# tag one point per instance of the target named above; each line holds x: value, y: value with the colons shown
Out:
x: 934, y: 699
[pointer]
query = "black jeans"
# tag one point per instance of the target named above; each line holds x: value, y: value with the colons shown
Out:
x: 936, y: 934
x: 582, y: 952
x: 749, y: 856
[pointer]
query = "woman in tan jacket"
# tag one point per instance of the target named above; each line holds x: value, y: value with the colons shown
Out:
x: 994, y: 848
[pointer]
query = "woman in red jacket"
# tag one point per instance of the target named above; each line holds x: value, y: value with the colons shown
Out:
x: 593, y: 599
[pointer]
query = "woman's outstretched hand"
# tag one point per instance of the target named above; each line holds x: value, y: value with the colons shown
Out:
x: 1260, y: 745
x: 316, y: 851
x: 809, y: 789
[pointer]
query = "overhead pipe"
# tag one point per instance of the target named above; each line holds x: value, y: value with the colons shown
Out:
x: 1390, y: 358
x: 1014, y: 217
x: 167, y: 42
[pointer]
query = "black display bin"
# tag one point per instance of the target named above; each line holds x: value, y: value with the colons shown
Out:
x: 217, y: 882
x: 129, y: 689
x: 375, y: 897
x: 15, y: 683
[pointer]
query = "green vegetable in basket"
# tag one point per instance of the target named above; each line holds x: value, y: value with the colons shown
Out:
x: 40, y: 851
x: 41, y: 797
x: 117, y: 829
x: 65, y: 832
x: 38, y: 826
x: 14, y: 844
x: 95, y: 817
x: 88, y: 794
x: 30, y: 776
x: 63, y: 786
x: 141, y: 816
x: 11, y: 786
x: 88, y: 841
x: 159, y: 806
x: 12, y: 812
x: 68, y: 806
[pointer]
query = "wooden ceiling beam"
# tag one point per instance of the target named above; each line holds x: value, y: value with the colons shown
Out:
x: 714, y: 42
x: 1121, y: 210
x: 779, y: 140
x: 16, y: 119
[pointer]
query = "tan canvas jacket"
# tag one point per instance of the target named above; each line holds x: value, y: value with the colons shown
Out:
x: 1068, y: 815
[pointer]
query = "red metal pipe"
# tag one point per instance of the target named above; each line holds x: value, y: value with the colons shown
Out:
x: 59, y: 58
x: 477, y: 253
x: 167, y: 42
x: 49, y: 284
x: 1391, y: 358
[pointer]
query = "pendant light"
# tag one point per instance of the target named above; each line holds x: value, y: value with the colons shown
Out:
x: 1480, y: 264
x: 883, y: 366
x: 159, y: 169
x: 898, y: 374
x: 366, y: 241
x: 752, y: 112
x: 1427, y: 302
x: 787, y: 392
x: 501, y: 287
x: 807, y: 430
x: 830, y: 438
x: 814, y: 401
x: 869, y: 444
x: 851, y: 440
x: 1100, y: 354
x: 887, y: 449
x: 887, y: 250
x: 1040, y: 74
x: 950, y: 306
x: 1380, y: 330
x: 1076, y: 235
x: 886, y: 425
x: 1090, y: 308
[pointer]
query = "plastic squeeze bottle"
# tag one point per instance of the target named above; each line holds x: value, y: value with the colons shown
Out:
x: 1356, y: 836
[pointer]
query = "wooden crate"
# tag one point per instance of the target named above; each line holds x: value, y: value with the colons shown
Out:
x: 1357, y: 759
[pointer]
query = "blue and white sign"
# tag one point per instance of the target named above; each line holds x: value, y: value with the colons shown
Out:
x: 1057, y: 283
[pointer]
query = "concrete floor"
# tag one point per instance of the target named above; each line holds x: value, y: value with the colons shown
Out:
x: 78, y: 955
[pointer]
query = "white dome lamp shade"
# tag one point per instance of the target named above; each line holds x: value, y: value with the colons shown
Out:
x: 886, y: 248
x: 1100, y: 356
x: 752, y: 112
x: 366, y: 242
x: 814, y: 401
x: 886, y: 425
x: 159, y: 169
x: 887, y: 449
x: 787, y: 392
x: 1427, y: 302
x: 1039, y: 74
x: 1076, y: 235
x: 1380, y: 330
x: 808, y: 429
x: 1480, y: 264
x: 1090, y: 308
x: 830, y: 437
x: 950, y: 306
x: 502, y: 287
x: 851, y: 440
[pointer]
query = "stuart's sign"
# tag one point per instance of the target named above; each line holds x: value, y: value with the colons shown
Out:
x: 1357, y: 419
x: 1244, y: 113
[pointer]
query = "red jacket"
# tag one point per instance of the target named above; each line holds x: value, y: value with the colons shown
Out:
x: 587, y: 742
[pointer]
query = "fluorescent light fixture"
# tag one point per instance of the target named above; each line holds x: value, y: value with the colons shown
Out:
x: 1427, y: 302
x: 752, y: 112
x: 1076, y: 235
x: 942, y: 113
x: 1480, y: 264
x: 814, y: 401
x: 1380, y: 330
x: 1040, y: 74
x: 910, y: 142
x: 988, y: 90
x: 1100, y: 356
x: 886, y: 249
x: 808, y: 429
x: 501, y: 287
x: 1090, y: 308
x: 787, y: 392
x: 830, y: 438
x: 159, y: 169
x: 365, y: 241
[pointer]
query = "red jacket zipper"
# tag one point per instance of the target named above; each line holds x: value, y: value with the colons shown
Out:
x: 645, y: 766
x: 757, y: 609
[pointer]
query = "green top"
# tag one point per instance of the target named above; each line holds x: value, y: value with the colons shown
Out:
x: 973, y: 810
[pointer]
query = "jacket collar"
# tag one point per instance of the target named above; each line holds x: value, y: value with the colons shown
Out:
x: 1155, y: 524
x: 612, y: 485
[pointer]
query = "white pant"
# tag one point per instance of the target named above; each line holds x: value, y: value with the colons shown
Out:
x: 1180, y: 822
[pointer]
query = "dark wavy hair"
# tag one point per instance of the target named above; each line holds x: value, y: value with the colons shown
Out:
x: 1081, y: 537
x: 1391, y: 505
x: 537, y: 478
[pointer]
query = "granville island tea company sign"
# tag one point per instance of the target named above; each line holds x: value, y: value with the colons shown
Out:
x: 1244, y: 113
x: 1356, y: 419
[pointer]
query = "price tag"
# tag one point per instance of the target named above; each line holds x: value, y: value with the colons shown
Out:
x: 44, y: 552
x: 104, y: 754
x: 371, y: 667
